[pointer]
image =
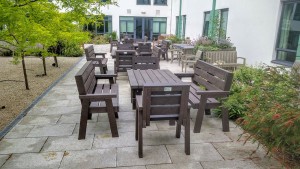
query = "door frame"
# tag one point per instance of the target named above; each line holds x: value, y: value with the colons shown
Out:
x: 143, y: 26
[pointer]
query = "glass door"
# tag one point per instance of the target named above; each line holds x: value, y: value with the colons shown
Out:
x: 143, y: 27
x: 139, y: 28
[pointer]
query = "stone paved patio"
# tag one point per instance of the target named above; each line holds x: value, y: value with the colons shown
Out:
x: 47, y: 137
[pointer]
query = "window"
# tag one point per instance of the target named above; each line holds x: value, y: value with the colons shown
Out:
x: 100, y: 28
x: 143, y: 2
x: 126, y: 26
x: 221, y: 19
x: 159, y: 27
x: 183, y: 26
x: 160, y: 2
x: 288, y: 33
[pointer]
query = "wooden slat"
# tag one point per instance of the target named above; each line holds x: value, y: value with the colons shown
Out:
x: 139, y: 78
x: 216, y: 81
x: 203, y: 82
x: 132, y: 80
x: 173, y: 76
x: 152, y: 76
x: 159, y: 77
x: 221, y: 73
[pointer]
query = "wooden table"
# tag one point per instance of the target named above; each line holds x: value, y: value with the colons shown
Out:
x: 186, y: 48
x: 137, y: 79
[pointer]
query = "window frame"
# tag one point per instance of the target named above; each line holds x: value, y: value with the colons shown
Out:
x: 137, y: 3
x: 160, y: 4
x: 159, y: 22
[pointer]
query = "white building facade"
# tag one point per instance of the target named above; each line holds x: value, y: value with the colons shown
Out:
x: 263, y: 31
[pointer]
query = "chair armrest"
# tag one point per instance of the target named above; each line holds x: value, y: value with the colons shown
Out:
x: 96, y: 59
x: 103, y: 76
x: 139, y: 102
x: 181, y: 75
x: 213, y: 93
x: 101, y: 54
x: 98, y: 97
x: 244, y: 60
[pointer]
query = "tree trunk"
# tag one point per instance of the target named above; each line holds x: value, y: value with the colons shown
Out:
x: 55, y: 61
x: 24, y: 71
x: 44, y: 65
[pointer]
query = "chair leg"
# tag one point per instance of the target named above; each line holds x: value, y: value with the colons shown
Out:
x: 185, y: 66
x: 200, y: 115
x: 111, y: 118
x: 89, y: 116
x: 178, y: 129
x: 116, y: 115
x: 136, y: 124
x: 182, y: 65
x: 187, y: 134
x: 83, y: 120
x: 140, y: 134
x: 225, y: 120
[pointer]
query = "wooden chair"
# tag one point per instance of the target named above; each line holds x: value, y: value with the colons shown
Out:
x: 125, y: 46
x: 97, y: 62
x: 163, y: 102
x: 96, y: 98
x: 144, y: 49
x: 156, y: 52
x: 113, y: 43
x: 124, y: 60
x: 164, y: 49
x: 187, y: 59
x: 209, y: 84
x: 143, y: 63
x: 175, y: 53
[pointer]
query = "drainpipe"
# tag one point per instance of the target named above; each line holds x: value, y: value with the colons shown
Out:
x: 297, y: 61
x: 179, y: 24
x: 171, y: 17
x: 211, y: 20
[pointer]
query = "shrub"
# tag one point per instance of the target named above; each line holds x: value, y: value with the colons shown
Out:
x: 208, y: 44
x: 100, y: 39
x: 267, y: 102
x: 174, y: 39
x: 72, y: 50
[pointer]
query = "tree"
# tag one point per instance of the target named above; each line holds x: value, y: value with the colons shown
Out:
x: 25, y: 23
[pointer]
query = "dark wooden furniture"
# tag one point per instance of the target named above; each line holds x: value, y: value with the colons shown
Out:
x: 163, y: 102
x: 144, y: 49
x: 124, y: 60
x: 145, y: 62
x: 113, y: 43
x: 97, y: 62
x: 96, y: 98
x: 128, y: 40
x: 164, y: 49
x: 216, y: 83
x: 186, y: 48
x: 137, y: 79
x: 126, y: 46
x: 156, y: 52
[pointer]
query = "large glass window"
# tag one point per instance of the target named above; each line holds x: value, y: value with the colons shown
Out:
x: 289, y: 31
x: 126, y: 26
x: 183, y: 26
x: 101, y: 27
x: 160, y: 2
x: 159, y: 26
x: 143, y: 2
x: 221, y: 19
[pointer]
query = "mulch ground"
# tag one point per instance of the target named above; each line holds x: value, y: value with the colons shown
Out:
x: 13, y: 95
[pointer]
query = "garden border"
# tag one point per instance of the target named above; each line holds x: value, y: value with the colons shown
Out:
x: 26, y: 110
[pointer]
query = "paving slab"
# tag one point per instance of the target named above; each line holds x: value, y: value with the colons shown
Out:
x: 135, y: 167
x: 37, y: 111
x: 21, y: 145
x: 209, y: 136
x: 164, y: 125
x: 128, y: 156
x: 19, y: 131
x: 52, y: 130
x: 99, y: 158
x: 40, y: 120
x: 49, y: 160
x: 63, y: 110
x: 52, y: 103
x: 199, y: 152
x: 68, y: 143
x: 234, y: 164
x: 75, y: 118
x: 3, y: 159
x: 161, y: 138
x: 123, y: 116
x: 126, y: 139
x: 176, y: 166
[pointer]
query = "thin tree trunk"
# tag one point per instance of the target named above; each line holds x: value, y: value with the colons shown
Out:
x: 44, y: 65
x: 55, y: 61
x: 24, y: 71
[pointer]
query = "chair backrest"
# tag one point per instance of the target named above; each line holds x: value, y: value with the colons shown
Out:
x: 144, y: 47
x: 212, y: 77
x: 221, y: 56
x: 89, y: 52
x: 165, y: 45
x: 198, y: 54
x: 129, y: 40
x: 124, y: 60
x: 156, y: 52
x: 125, y: 46
x: 145, y: 62
x: 85, y: 79
x: 165, y: 101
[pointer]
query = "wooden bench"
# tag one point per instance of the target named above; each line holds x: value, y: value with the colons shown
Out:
x: 126, y: 46
x: 124, y: 60
x: 224, y: 59
x: 216, y: 83
x: 97, y: 62
x: 96, y: 98
x: 144, y: 49
x: 145, y: 62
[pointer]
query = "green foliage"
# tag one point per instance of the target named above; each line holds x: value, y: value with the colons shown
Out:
x: 112, y: 36
x: 72, y: 50
x: 100, y: 39
x: 208, y: 44
x: 174, y: 39
x: 267, y: 102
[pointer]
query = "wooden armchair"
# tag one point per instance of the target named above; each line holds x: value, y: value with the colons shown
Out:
x: 187, y: 59
x: 97, y: 62
x: 144, y: 49
x: 144, y: 63
x: 163, y: 102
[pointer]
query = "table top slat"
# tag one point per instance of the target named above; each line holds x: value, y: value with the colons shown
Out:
x: 139, y: 78
x: 151, y: 75
x: 167, y: 77
x: 146, y: 76
x: 159, y: 76
x: 132, y: 80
